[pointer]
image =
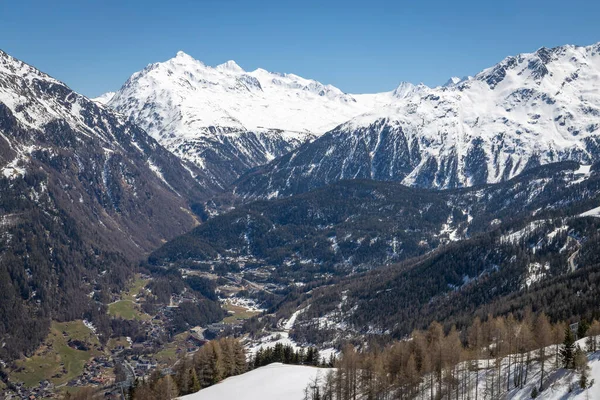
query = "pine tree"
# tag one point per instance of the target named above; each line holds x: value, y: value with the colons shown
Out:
x: 582, y: 329
x: 239, y: 357
x: 215, y: 363
x: 228, y: 361
x: 182, y: 375
x: 258, y: 358
x: 534, y: 393
x: 567, y: 352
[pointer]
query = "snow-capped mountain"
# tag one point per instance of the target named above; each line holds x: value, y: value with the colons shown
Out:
x: 104, y: 98
x: 453, y: 81
x: 530, y: 109
x: 95, y: 163
x: 227, y: 120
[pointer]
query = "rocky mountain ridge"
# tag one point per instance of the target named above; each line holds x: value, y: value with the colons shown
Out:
x: 528, y: 110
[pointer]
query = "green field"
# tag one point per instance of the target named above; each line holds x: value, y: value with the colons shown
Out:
x: 113, y: 343
x: 55, y: 360
x: 59, y: 363
x: 239, y: 313
x: 168, y: 355
x: 135, y: 288
x: 126, y: 309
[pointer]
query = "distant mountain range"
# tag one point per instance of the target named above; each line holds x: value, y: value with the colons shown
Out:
x: 227, y: 120
x: 527, y: 110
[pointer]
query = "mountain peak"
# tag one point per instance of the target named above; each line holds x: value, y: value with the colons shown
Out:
x: 182, y: 54
x: 104, y: 98
x: 183, y: 58
x: 452, y: 81
x: 230, y: 66
x: 403, y: 90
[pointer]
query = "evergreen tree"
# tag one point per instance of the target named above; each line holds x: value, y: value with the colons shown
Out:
x: 239, y: 356
x: 182, y: 375
x: 534, y: 393
x: 567, y: 352
x: 582, y: 329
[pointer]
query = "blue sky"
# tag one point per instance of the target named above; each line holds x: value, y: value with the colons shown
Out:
x: 367, y: 46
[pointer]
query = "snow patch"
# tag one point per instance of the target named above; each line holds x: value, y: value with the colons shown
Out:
x: 273, y: 382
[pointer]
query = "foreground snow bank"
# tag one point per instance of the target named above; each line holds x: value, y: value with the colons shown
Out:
x: 275, y: 381
x: 565, y: 385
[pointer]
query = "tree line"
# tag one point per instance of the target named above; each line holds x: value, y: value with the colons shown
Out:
x: 213, y: 362
x: 484, y: 361
x: 286, y: 354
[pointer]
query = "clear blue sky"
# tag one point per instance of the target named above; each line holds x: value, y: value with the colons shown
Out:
x: 366, y: 46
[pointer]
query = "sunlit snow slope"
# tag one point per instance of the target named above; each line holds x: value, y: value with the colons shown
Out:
x: 273, y: 382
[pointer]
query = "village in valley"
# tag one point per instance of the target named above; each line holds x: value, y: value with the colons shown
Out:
x: 72, y: 356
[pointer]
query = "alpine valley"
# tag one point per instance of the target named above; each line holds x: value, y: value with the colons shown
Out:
x: 201, y: 222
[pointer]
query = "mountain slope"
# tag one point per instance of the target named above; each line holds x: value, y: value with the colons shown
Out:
x: 83, y: 195
x: 227, y: 120
x: 528, y: 110
x: 359, y: 225
x: 539, y: 251
x: 365, y: 257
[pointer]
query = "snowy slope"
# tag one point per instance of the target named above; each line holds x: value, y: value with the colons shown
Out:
x: 530, y: 109
x: 188, y: 97
x: 279, y: 381
x: 223, y: 114
x: 273, y: 382
x: 104, y: 98
x: 559, y: 384
x: 563, y: 381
